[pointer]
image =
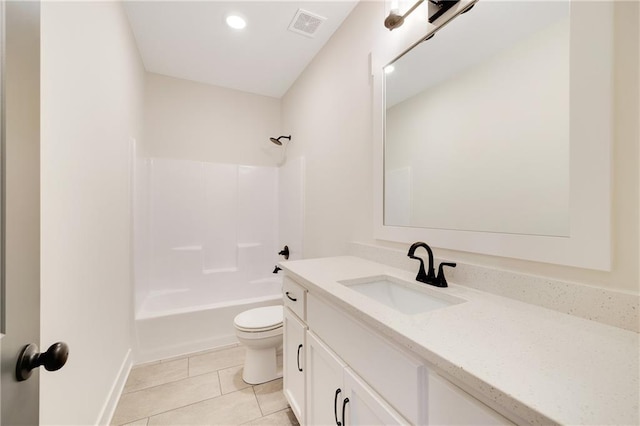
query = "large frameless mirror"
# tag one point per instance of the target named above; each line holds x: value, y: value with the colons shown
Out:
x: 477, y: 124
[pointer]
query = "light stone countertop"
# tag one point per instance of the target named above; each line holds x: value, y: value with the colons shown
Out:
x: 540, y: 365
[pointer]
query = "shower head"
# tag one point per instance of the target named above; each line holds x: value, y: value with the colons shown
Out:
x: 277, y: 140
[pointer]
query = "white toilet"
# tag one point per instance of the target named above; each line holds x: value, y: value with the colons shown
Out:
x: 260, y: 331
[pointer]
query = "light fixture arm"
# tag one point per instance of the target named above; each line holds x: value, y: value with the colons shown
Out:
x: 414, y: 7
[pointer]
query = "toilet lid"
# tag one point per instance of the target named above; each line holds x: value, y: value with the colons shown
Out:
x: 268, y: 317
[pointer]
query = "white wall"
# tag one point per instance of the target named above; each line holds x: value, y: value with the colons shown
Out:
x: 92, y: 84
x: 195, y: 121
x: 329, y: 111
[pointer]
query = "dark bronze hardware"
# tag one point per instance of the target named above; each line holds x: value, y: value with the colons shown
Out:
x: 299, y: 347
x: 284, y: 252
x: 441, y: 278
x: 291, y: 298
x: 344, y: 406
x: 53, y: 359
x: 335, y: 406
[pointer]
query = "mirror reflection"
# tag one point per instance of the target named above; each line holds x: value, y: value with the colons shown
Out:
x: 477, y: 124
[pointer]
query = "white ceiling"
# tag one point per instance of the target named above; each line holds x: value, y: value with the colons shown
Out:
x: 190, y: 40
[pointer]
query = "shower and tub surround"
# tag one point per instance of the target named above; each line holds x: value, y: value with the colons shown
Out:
x: 207, y: 237
x: 176, y: 324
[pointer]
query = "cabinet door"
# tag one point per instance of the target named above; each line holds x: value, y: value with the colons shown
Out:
x: 293, y: 363
x: 324, y: 383
x: 364, y: 406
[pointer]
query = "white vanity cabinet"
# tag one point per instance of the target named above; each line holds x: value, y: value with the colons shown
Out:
x: 338, y: 370
x: 336, y: 395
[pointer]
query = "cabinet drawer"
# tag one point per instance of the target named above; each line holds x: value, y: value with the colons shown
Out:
x: 294, y: 297
x: 401, y: 379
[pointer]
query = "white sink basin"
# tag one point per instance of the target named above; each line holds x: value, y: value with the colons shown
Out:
x: 405, y: 297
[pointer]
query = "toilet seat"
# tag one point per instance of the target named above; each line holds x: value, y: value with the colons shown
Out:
x: 259, y: 319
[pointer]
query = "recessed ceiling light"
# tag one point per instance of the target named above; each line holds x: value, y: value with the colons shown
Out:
x: 236, y: 22
x: 389, y: 69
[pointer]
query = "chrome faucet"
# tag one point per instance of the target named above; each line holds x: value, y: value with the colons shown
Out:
x: 429, y: 277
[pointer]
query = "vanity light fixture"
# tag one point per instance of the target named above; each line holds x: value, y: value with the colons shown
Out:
x: 394, y: 20
x: 236, y: 22
x: 436, y: 8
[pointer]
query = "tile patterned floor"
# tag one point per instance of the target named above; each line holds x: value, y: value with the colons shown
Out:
x: 205, y: 388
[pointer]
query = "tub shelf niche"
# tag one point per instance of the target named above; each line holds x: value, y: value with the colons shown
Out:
x: 248, y: 245
x: 187, y: 248
x: 219, y: 270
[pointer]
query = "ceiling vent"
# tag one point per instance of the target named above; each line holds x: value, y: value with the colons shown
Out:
x: 306, y: 23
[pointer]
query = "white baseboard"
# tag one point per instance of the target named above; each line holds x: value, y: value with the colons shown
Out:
x: 109, y: 407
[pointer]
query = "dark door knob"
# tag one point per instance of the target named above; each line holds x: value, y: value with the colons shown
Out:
x: 53, y: 359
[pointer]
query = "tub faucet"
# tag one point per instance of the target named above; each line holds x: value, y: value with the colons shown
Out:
x: 284, y: 252
x: 277, y: 268
x: 424, y: 277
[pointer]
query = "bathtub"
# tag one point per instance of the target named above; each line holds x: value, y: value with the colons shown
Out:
x: 176, y: 322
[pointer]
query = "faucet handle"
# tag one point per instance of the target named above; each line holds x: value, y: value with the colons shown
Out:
x: 442, y: 281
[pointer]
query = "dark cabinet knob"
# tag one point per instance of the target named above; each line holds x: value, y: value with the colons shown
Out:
x: 53, y: 359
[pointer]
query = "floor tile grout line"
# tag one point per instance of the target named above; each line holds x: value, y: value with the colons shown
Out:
x: 130, y: 421
x: 253, y: 388
x: 188, y: 355
x: 216, y: 370
x: 125, y: 391
x: 271, y: 414
x: 188, y: 405
x: 183, y: 378
x: 162, y: 384
x: 155, y: 386
x: 219, y: 382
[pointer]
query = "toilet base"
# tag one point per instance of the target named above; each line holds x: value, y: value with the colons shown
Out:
x: 260, y: 366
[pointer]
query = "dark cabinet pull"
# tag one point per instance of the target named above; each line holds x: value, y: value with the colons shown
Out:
x: 290, y: 298
x: 299, y: 347
x: 344, y: 405
x: 335, y: 406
